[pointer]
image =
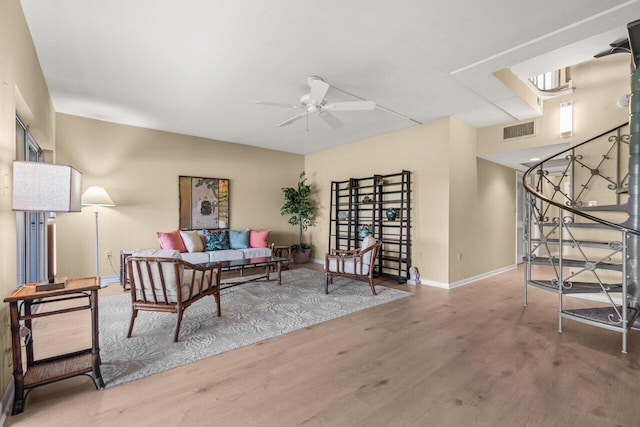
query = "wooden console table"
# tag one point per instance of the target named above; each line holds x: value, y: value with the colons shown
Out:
x: 45, y: 371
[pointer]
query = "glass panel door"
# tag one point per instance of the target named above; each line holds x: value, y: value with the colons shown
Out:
x: 30, y: 226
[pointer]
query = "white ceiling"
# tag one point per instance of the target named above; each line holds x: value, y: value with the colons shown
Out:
x: 523, y: 159
x: 196, y: 67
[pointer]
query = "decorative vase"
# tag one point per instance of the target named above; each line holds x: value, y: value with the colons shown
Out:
x: 364, y: 233
x: 392, y: 214
x: 342, y: 215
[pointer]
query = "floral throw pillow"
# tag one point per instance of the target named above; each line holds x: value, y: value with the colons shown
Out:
x: 217, y: 240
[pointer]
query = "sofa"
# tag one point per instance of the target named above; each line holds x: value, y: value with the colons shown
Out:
x: 199, y: 246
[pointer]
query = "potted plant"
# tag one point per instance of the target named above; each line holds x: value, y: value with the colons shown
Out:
x: 298, y: 204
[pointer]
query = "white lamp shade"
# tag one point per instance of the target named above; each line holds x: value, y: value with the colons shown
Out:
x: 96, y: 196
x: 46, y: 187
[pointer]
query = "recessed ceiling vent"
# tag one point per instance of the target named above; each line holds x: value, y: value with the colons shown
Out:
x: 518, y: 131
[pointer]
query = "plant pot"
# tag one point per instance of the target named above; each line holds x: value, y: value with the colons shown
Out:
x: 301, y: 257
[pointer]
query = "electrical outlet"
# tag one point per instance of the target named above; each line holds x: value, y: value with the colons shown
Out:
x: 108, y: 254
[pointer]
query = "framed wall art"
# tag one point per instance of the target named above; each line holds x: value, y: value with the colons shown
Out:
x: 204, y: 202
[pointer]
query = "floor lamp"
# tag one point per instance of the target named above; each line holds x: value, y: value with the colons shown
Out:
x: 46, y: 187
x: 96, y: 196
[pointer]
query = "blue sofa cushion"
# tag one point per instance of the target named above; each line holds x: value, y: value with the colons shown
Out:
x: 239, y: 239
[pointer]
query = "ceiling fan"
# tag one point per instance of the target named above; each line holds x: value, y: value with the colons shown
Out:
x: 315, y: 102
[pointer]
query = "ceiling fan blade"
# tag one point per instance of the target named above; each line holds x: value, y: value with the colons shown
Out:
x: 292, y: 119
x: 319, y: 89
x: 618, y: 46
x: 330, y: 119
x: 276, y: 104
x: 350, y: 106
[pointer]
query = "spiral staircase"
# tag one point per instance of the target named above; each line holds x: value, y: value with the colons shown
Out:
x: 583, y: 219
x: 582, y: 235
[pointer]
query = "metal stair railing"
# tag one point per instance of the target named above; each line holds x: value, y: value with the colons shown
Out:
x: 582, y: 248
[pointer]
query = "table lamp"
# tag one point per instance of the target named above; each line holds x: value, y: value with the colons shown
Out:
x: 46, y: 187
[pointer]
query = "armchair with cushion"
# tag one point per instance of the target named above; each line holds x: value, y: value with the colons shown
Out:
x: 162, y: 281
x: 355, y: 264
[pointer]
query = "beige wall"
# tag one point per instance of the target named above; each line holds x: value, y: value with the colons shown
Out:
x: 442, y: 158
x: 482, y: 210
x: 482, y: 213
x: 463, y: 221
x: 598, y: 85
x: 491, y: 240
x: 140, y: 167
x: 22, y: 89
x: 419, y: 149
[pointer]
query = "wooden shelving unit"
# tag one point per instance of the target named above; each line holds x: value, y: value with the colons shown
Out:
x: 359, y: 201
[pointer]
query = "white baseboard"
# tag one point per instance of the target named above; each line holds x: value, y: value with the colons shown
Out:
x: 105, y: 280
x: 481, y: 276
x: 433, y: 283
x: 454, y: 284
x: 7, y: 401
x: 467, y: 280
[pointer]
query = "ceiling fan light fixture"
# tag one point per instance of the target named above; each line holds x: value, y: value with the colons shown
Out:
x: 315, y: 102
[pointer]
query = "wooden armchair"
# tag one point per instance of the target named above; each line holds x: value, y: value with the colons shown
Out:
x: 169, y: 284
x: 356, y: 264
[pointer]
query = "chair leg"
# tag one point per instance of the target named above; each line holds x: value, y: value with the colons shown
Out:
x: 134, y: 314
x: 326, y: 284
x: 175, y: 337
x: 373, y: 288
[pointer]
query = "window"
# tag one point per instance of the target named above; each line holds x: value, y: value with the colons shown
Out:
x: 30, y: 226
x: 553, y: 80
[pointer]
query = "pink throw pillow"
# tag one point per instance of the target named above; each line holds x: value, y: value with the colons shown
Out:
x: 171, y: 240
x: 258, y: 239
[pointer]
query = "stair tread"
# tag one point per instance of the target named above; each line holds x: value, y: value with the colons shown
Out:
x: 581, y: 225
x: 576, y: 263
x: 577, y: 287
x: 583, y: 243
x: 604, y: 208
x: 601, y: 314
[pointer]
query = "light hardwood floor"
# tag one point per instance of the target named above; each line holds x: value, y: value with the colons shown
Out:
x: 472, y: 356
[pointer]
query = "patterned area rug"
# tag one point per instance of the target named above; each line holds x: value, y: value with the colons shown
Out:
x: 251, y: 313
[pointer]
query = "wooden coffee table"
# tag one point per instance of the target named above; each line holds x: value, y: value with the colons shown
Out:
x: 269, y: 263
